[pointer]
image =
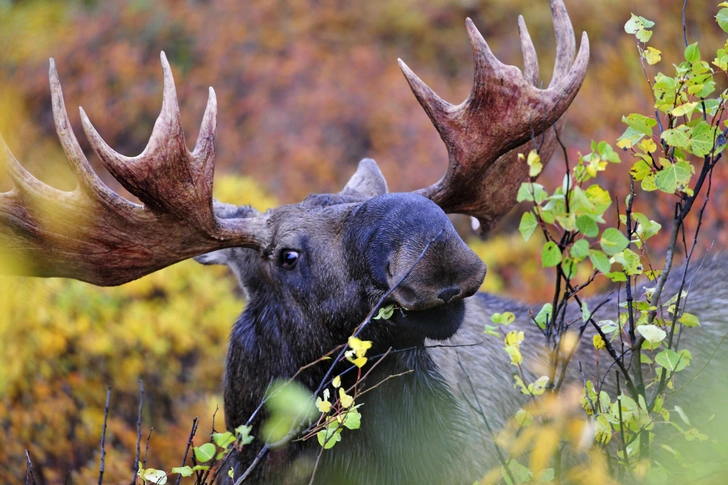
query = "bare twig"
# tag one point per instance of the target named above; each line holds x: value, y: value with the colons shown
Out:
x: 29, y: 477
x: 252, y: 466
x: 195, y: 423
x: 103, y: 437
x: 146, y: 448
x: 135, y: 467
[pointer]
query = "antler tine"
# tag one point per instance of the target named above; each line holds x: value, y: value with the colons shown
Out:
x: 95, y: 235
x: 87, y: 179
x: 505, y: 113
x: 530, y: 59
x: 565, y: 41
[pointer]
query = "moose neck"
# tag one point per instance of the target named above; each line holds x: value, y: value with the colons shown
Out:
x: 267, y: 344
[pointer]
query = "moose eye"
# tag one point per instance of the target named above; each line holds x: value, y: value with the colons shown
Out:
x: 289, y: 258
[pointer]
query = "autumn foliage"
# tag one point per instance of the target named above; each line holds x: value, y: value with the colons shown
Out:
x: 305, y: 89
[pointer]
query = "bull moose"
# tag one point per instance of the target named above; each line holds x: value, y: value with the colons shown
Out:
x: 312, y: 272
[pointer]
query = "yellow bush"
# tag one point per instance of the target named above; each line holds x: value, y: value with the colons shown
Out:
x: 64, y: 342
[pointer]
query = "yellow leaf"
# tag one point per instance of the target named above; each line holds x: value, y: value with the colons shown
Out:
x: 514, y: 338
x: 544, y: 446
x: 323, y: 406
x: 359, y: 347
x: 516, y: 356
x: 652, y: 55
x: 598, y: 342
x: 346, y: 400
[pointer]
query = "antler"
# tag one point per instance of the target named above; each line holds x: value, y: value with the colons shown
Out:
x: 95, y: 235
x: 503, y: 116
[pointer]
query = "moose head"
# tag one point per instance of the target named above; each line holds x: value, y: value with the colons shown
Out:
x: 311, y: 271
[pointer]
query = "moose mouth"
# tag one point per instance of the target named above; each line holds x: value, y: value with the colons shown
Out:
x: 438, y: 323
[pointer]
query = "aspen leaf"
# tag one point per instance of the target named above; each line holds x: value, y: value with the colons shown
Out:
x: 587, y: 226
x: 653, y: 334
x: 544, y: 315
x: 689, y: 320
x: 352, y: 419
x: 205, y: 452
x: 692, y: 53
x: 722, y: 19
x: 157, y: 477
x: 613, y: 241
x: 580, y: 249
x: 528, y: 225
x: 652, y: 55
x: 185, y: 471
x: 345, y: 399
x: 550, y: 255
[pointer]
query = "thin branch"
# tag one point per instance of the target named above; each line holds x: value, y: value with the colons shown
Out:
x: 103, y: 437
x: 684, y: 23
x: 195, y: 423
x: 146, y: 448
x: 135, y: 466
x: 29, y: 477
x: 252, y: 466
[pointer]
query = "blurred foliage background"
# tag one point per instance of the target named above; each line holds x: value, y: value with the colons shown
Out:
x: 305, y: 89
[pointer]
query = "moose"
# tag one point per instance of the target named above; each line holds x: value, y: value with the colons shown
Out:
x: 312, y: 272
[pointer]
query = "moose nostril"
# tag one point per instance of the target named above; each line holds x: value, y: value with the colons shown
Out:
x: 447, y: 294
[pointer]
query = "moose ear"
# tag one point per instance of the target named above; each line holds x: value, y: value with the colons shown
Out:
x: 368, y: 181
x: 215, y: 257
x: 224, y: 210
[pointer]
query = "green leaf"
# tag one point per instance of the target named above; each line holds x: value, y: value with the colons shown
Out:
x: 531, y: 192
x: 652, y: 333
x: 692, y: 53
x: 185, y: 471
x: 677, y: 137
x: 600, y: 261
x: 352, y: 419
x: 223, y: 440
x: 643, y: 36
x: 722, y: 19
x: 587, y: 226
x: 205, y: 452
x: 289, y: 404
x: 675, y: 176
x: 385, y: 312
x: 528, y: 225
x: 702, y: 139
x: 329, y: 436
x: 673, y: 361
x: 641, y: 123
x: 550, y: 255
x: 630, y: 262
x: 613, y: 241
x: 688, y: 320
x: 544, y: 315
x: 505, y: 318
x: 243, y: 432
x: 580, y: 249
x: 616, y: 277
x: 684, y: 109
